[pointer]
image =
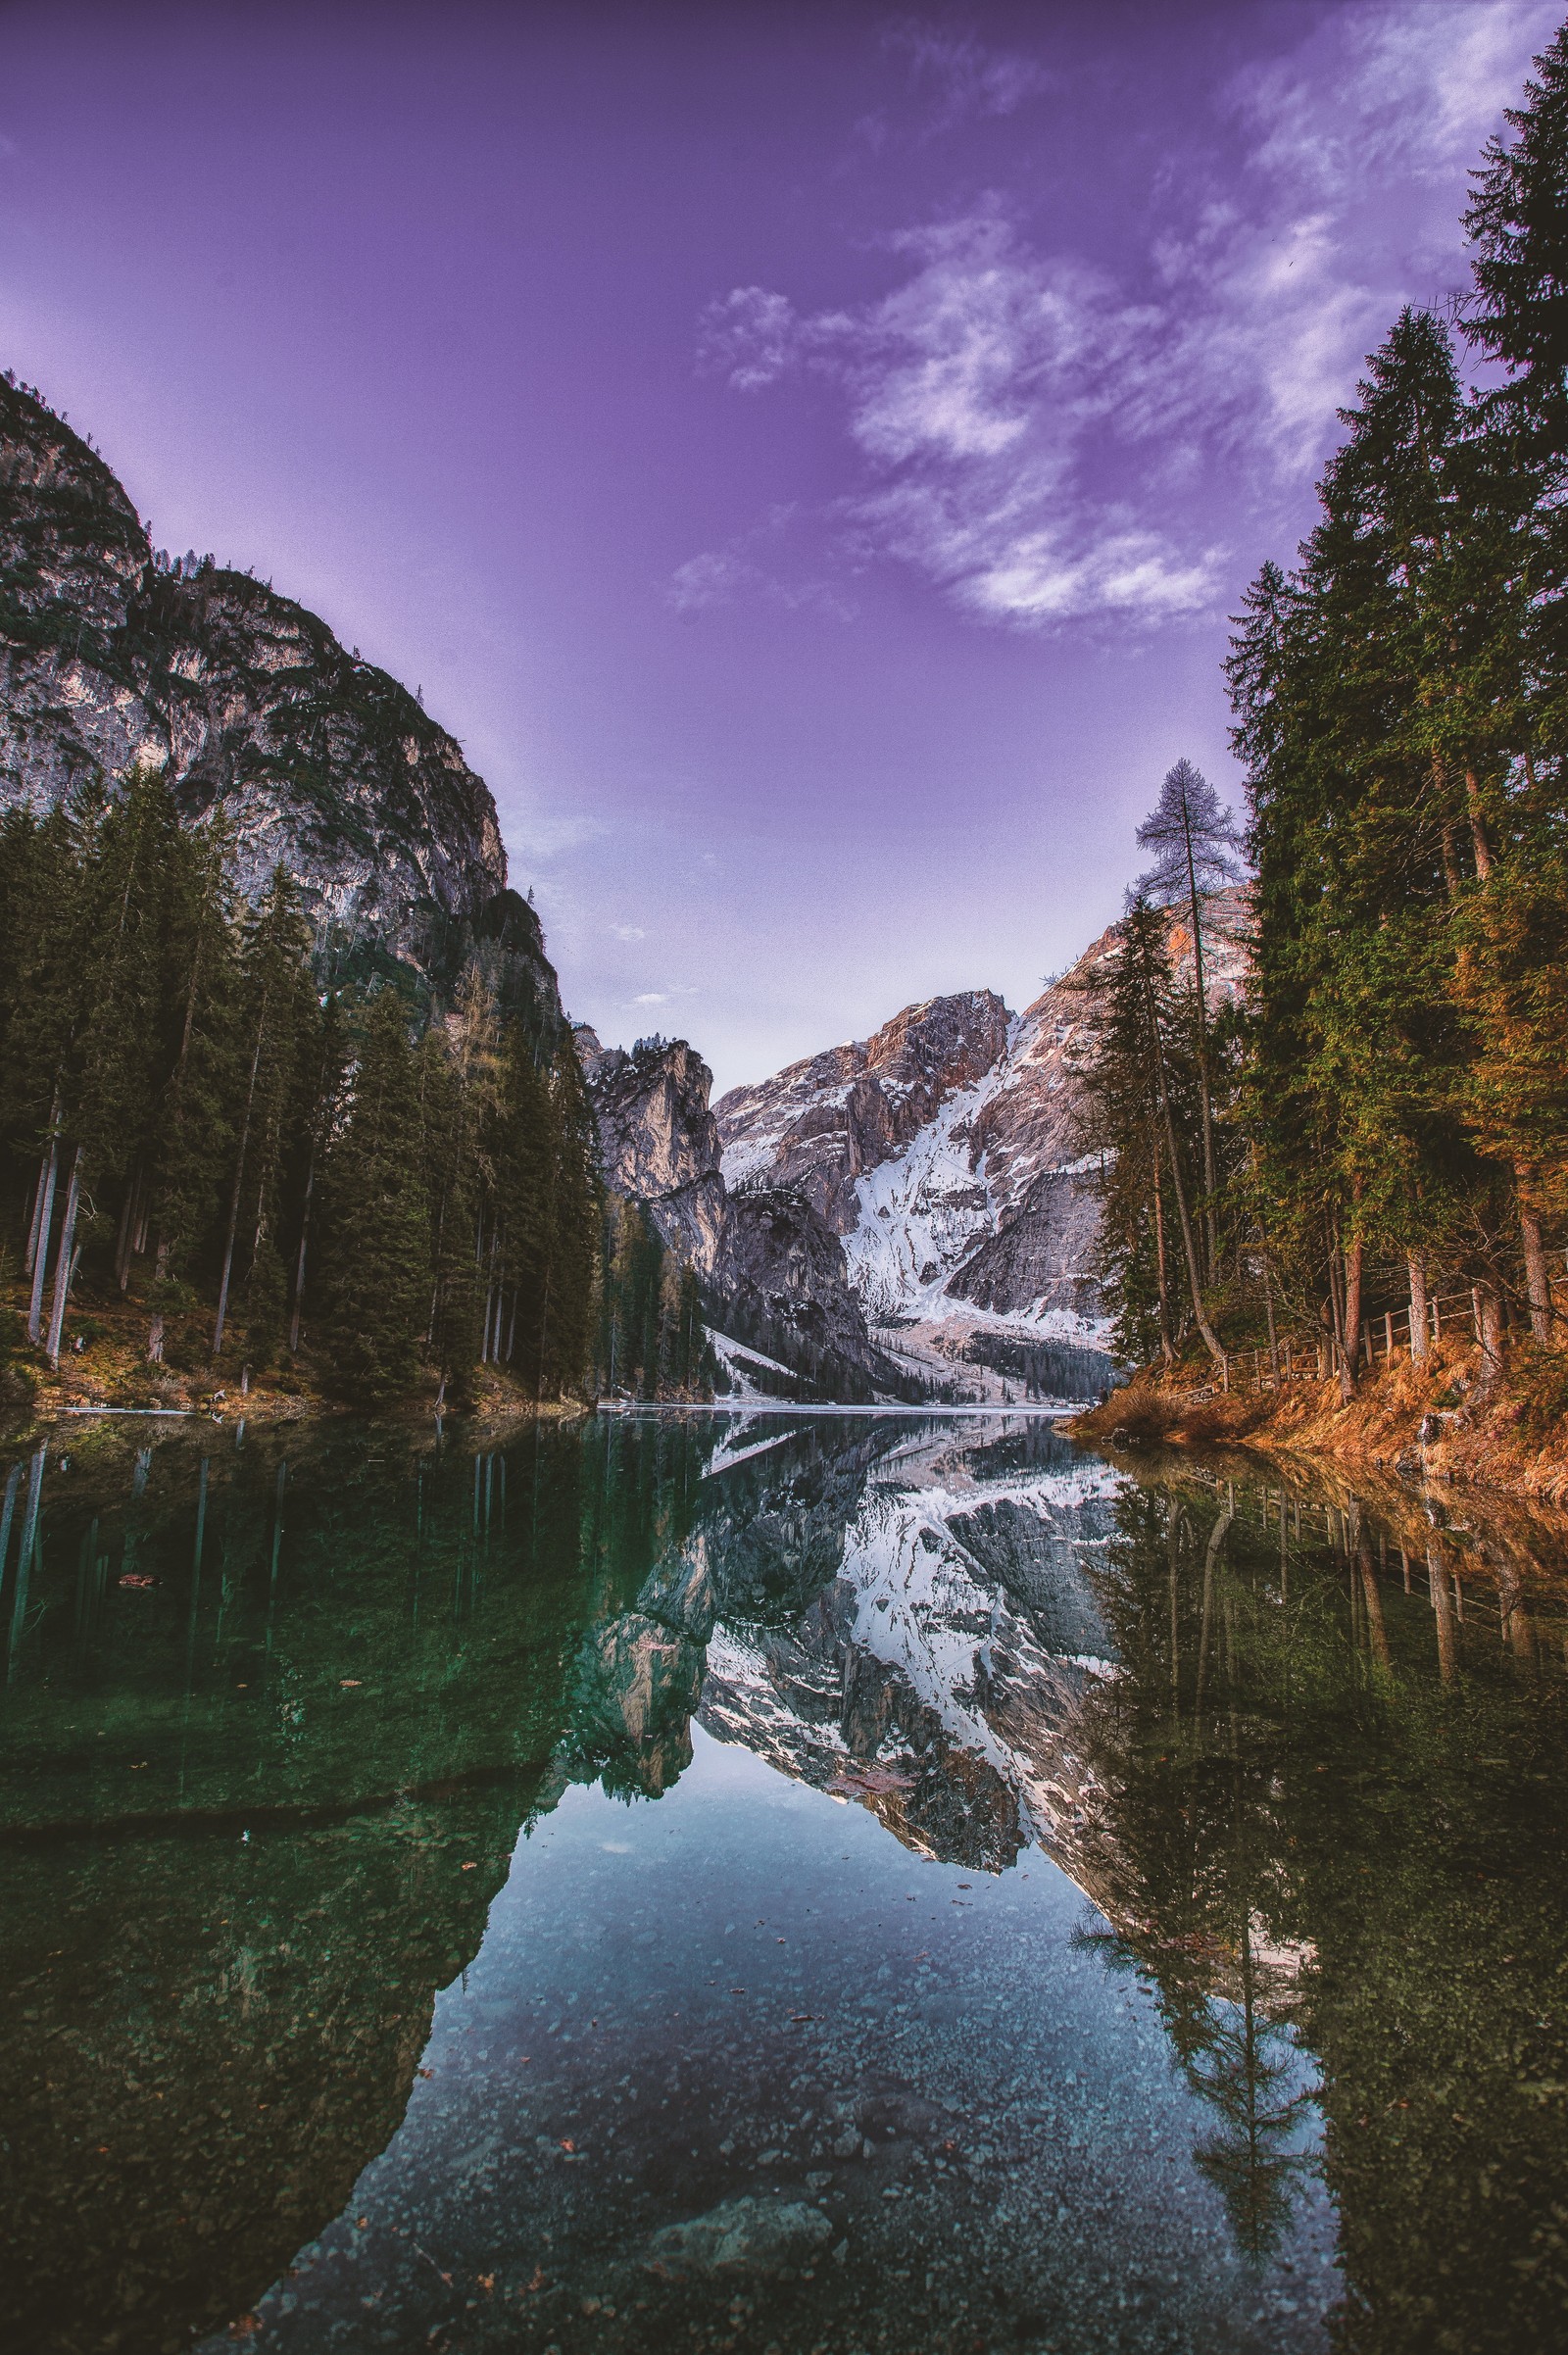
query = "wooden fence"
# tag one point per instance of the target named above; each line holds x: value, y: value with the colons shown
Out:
x: 1381, y: 1336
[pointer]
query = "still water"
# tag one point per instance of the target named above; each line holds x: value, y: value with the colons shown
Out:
x: 793, y: 1884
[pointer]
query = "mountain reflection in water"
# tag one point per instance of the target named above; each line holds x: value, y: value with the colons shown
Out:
x: 297, y: 2042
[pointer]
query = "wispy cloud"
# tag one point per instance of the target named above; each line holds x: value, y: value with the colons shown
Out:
x: 762, y: 564
x: 544, y: 834
x: 967, y: 77
x: 664, y: 997
x: 628, y: 932
x: 1040, y: 436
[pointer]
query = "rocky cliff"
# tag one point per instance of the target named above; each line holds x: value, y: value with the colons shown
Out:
x: 658, y: 1139
x: 945, y: 1149
x: 821, y: 1124
x: 773, y: 1271
x: 112, y: 655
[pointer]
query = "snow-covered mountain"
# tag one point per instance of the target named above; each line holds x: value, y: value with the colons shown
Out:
x: 945, y: 1152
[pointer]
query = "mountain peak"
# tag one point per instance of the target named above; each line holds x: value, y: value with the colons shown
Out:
x: 319, y: 762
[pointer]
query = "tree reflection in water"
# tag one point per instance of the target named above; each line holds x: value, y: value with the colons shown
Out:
x: 1329, y: 1832
x: 275, y: 1716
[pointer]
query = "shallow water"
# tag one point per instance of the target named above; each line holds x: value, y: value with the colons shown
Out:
x: 801, y: 1883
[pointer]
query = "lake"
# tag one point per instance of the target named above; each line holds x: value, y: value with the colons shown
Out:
x: 778, y: 1882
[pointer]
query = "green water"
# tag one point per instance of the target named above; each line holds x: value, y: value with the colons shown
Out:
x: 833, y: 1884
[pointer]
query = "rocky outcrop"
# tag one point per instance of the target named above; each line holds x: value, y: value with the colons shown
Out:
x: 821, y: 1124
x: 781, y: 1277
x: 1040, y: 1257
x: 773, y: 1271
x: 111, y: 655
x: 947, y: 1150
x: 658, y: 1139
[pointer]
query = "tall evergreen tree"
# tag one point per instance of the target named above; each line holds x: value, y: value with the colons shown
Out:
x: 279, y: 1021
x: 1198, y: 850
x: 379, y: 1265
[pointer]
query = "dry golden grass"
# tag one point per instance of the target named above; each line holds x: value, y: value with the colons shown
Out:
x: 1437, y: 1421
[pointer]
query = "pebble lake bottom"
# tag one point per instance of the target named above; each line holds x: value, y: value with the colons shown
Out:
x: 724, y: 1883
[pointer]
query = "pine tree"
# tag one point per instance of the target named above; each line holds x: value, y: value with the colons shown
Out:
x: 1367, y: 743
x: 188, y: 1133
x: 1513, y: 974
x: 1139, y: 1122
x: 1198, y: 850
x: 279, y: 1019
x: 574, y: 1221
x: 380, y: 1264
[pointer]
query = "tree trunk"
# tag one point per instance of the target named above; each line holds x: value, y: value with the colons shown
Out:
x: 1190, y: 1248
x: 1537, y: 1287
x: 155, y: 1329
x: 1478, y: 826
x: 239, y: 1180
x: 48, y: 1165
x: 124, y: 1240
x: 1333, y: 1313
x: 1167, y: 1351
x: 64, y: 1261
x: 1491, y: 1344
x: 1352, y: 1318
x: 299, y: 1264
x: 1211, y: 1231
x: 1418, y: 1306
x: 40, y: 1250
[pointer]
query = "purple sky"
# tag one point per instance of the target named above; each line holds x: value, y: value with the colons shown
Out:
x: 806, y: 454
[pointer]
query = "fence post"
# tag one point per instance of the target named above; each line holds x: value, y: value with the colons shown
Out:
x: 1475, y: 1307
x: 1387, y: 1333
x: 1437, y: 1323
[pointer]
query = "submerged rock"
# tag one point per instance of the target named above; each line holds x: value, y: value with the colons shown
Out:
x: 756, y: 2236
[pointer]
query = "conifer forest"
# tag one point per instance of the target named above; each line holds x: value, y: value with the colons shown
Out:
x: 275, y: 1176
x: 1377, y: 1117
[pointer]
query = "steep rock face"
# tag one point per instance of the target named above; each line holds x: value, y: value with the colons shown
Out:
x: 961, y: 1186
x: 821, y: 1124
x: 316, y: 761
x: 658, y: 1139
x: 773, y: 1271
x: 780, y: 1271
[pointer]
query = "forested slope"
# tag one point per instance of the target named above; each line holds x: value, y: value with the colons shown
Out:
x: 1383, y: 1123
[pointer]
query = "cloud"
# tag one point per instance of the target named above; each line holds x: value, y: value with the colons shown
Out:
x: 716, y: 578
x: 543, y: 834
x: 747, y: 336
x: 733, y: 575
x: 1048, y: 438
x: 666, y: 995
x: 628, y: 932
x: 970, y: 80
x: 973, y: 390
